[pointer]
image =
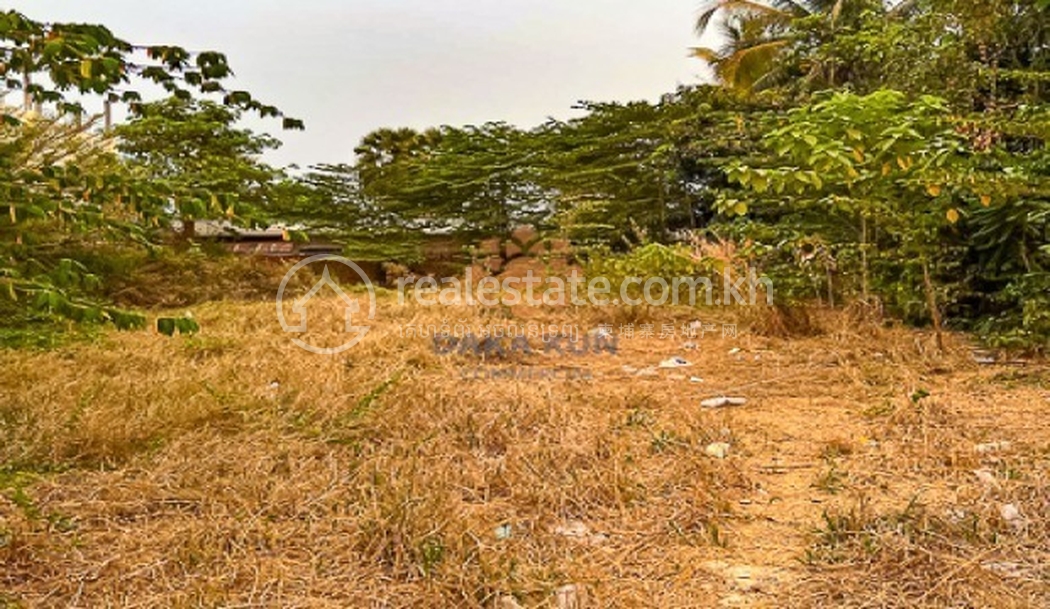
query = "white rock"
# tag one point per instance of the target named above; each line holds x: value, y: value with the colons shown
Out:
x: 696, y: 379
x: 735, y: 350
x: 717, y: 450
x: 986, y: 476
x: 504, y: 531
x: 675, y: 362
x: 723, y: 402
x: 1012, y: 515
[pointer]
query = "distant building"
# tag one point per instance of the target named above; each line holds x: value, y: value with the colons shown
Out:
x: 270, y: 242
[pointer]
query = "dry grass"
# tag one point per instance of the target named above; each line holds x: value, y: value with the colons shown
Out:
x: 233, y: 469
x: 965, y: 455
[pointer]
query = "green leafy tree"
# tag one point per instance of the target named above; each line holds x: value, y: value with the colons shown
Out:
x: 880, y: 176
x: 63, y: 176
x: 471, y: 180
x: 617, y: 165
x: 194, y: 154
x: 767, y: 44
x: 48, y: 60
x: 331, y: 202
x: 986, y: 55
x: 62, y: 183
x: 655, y: 166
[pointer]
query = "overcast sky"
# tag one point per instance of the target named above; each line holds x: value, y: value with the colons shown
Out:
x: 349, y: 66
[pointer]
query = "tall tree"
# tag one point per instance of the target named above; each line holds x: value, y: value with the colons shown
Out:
x: 194, y: 153
x: 48, y: 61
x: 331, y: 202
x: 768, y: 44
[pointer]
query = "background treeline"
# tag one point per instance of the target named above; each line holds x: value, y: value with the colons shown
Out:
x: 887, y: 155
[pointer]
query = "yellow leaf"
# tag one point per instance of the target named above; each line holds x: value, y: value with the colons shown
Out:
x: 230, y: 211
x: 85, y: 68
x: 886, y: 169
x: 285, y: 235
x: 858, y: 154
x: 901, y: 164
x: 953, y: 215
x: 740, y: 208
x: 986, y: 200
x: 14, y: 215
x: 934, y: 190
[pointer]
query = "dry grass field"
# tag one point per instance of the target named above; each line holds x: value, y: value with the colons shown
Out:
x: 232, y: 469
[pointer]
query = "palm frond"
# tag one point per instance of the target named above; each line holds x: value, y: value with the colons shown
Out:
x: 738, y: 7
x: 706, y: 54
x: 744, y: 68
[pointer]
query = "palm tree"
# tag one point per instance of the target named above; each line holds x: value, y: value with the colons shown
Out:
x: 756, y: 35
x: 385, y: 146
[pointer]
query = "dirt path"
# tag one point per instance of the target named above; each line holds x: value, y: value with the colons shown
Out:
x: 781, y: 446
x: 805, y: 414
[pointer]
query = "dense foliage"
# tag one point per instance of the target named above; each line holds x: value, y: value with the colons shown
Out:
x: 70, y: 186
x: 891, y: 154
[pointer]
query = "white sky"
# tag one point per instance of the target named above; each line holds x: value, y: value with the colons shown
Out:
x: 347, y: 67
